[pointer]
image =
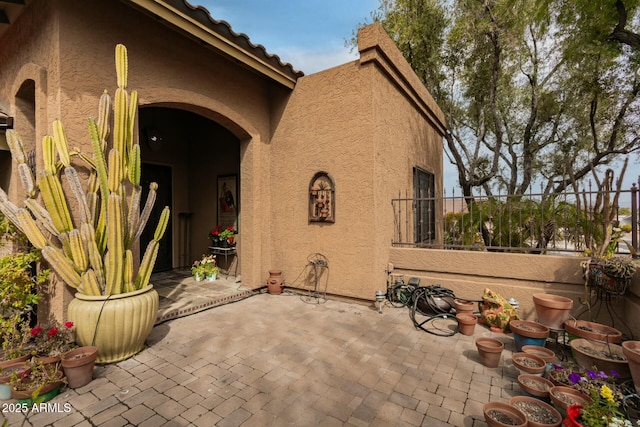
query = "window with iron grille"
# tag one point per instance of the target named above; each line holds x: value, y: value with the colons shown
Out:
x: 424, y: 209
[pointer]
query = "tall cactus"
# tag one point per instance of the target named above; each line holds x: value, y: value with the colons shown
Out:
x: 91, y: 249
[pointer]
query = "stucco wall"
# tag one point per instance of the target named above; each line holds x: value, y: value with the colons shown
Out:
x: 68, y: 50
x: 364, y: 123
x: 468, y: 273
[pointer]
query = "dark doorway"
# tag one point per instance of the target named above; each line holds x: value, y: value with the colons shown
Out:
x: 162, y: 176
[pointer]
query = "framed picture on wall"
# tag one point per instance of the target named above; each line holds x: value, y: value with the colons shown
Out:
x: 228, y: 200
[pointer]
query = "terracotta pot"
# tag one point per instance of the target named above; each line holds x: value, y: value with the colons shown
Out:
x: 78, y: 365
x: 544, y: 353
x: 45, y: 392
x: 120, y: 323
x: 462, y: 306
x: 15, y: 360
x: 541, y: 389
x: 48, y: 360
x: 592, y: 331
x: 576, y: 396
x: 490, y: 351
x: 510, y: 416
x: 528, y: 333
x: 631, y: 350
x: 552, y: 310
x: 523, y: 401
x: 467, y: 322
x: 275, y: 283
x: 9, y: 368
x: 593, y: 353
x: 528, y: 363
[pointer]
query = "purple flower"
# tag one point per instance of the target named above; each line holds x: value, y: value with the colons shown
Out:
x: 602, y: 375
x: 557, y: 367
x: 574, y: 377
x: 592, y: 375
x: 615, y: 374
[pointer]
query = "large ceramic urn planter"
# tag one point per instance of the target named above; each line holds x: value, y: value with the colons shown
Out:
x: 631, y: 350
x: 604, y: 356
x: 592, y: 331
x: 552, y: 310
x: 117, y: 325
x: 528, y: 333
x: 490, y: 351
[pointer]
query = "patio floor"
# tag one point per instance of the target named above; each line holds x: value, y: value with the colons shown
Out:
x: 276, y: 360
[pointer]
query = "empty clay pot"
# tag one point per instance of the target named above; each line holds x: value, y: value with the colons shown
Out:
x: 552, y: 310
x: 544, y: 353
x: 592, y: 331
x: 467, y: 322
x: 490, y: 350
x: 526, y: 401
x: 462, y: 306
x: 540, y: 388
x: 631, y: 350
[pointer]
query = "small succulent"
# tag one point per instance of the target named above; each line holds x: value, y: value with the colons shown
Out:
x: 618, y: 267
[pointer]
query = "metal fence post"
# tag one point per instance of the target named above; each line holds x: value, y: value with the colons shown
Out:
x: 634, y: 216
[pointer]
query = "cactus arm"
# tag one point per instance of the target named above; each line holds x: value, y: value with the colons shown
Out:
x: 76, y: 188
x: 78, y: 251
x: 49, y: 154
x: 115, y: 242
x: 120, y: 116
x: 60, y: 139
x: 135, y: 165
x: 95, y: 259
x: 128, y: 271
x: 146, y: 212
x: 89, y: 283
x: 122, y: 65
x: 15, y: 146
x: 134, y: 215
x: 30, y: 229
x: 162, y: 224
x: 54, y: 201
x: 26, y: 179
x: 104, y: 108
x: 41, y: 215
x: 103, y: 183
x: 62, y: 266
x: 9, y: 209
x: 146, y: 266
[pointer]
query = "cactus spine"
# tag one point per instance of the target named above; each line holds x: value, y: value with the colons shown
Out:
x: 91, y: 249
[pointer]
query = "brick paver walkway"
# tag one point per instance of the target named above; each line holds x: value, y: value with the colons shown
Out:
x: 277, y: 361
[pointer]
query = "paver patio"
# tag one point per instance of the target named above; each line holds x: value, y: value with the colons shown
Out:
x: 277, y: 360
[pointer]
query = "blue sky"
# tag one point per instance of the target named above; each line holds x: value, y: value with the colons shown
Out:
x: 308, y: 34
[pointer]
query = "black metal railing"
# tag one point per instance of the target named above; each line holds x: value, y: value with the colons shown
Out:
x: 535, y: 222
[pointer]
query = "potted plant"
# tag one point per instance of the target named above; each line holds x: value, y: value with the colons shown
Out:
x: 38, y: 383
x: 14, y: 333
x: 205, y: 267
x: 612, y: 274
x: 92, y: 248
x: 223, y: 236
x: 51, y: 340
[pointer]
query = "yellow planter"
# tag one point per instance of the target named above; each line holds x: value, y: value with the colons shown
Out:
x: 120, y: 323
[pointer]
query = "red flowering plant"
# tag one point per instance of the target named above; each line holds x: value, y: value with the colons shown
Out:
x: 221, y: 234
x: 53, y: 338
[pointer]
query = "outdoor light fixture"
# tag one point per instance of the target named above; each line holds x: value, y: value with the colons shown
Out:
x: 6, y: 122
x: 380, y: 297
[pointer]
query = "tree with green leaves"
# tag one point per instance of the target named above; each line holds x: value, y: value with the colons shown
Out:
x: 533, y: 92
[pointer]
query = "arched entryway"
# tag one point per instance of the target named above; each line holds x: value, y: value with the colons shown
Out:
x: 189, y: 155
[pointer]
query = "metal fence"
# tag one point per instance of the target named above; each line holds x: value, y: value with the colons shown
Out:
x: 533, y: 223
